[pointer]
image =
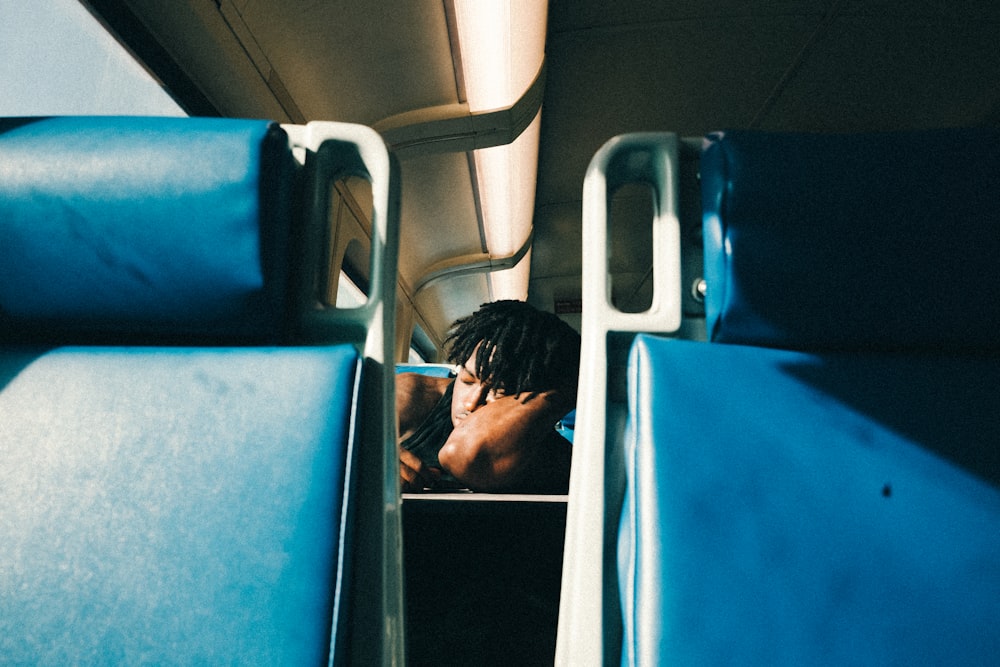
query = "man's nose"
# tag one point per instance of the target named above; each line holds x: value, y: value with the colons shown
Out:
x: 477, y: 397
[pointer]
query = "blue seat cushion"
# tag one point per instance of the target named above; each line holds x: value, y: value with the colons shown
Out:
x: 173, y: 505
x: 434, y: 370
x: 867, y: 241
x: 118, y: 227
x: 786, y: 508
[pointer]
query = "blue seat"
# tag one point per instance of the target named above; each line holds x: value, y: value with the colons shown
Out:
x: 433, y: 370
x: 181, y: 451
x: 820, y: 484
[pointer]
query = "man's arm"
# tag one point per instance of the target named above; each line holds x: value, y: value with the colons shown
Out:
x: 414, y: 476
x: 510, y: 445
x: 416, y: 396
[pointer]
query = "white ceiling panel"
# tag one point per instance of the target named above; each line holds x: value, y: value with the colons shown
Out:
x: 357, y: 62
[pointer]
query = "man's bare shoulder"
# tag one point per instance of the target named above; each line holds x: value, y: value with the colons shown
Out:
x: 416, y: 396
x: 418, y: 383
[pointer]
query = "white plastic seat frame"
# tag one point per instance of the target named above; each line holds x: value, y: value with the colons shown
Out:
x: 589, y: 618
x: 331, y: 151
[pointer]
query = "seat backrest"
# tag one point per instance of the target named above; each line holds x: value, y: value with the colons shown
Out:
x: 823, y: 487
x: 178, y: 470
x: 853, y: 242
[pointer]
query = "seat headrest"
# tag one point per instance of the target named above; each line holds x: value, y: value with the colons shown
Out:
x: 872, y: 241
x: 143, y: 228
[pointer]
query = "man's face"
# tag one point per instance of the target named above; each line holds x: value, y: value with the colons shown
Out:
x: 470, y: 393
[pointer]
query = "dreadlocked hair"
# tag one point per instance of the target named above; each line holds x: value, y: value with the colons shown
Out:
x: 520, y: 348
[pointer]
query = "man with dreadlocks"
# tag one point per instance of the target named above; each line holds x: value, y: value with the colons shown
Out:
x: 490, y: 427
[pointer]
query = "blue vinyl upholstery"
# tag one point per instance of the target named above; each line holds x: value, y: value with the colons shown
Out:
x: 172, y: 226
x: 853, y: 241
x: 824, y: 488
x: 176, y: 486
x: 788, y: 508
x: 173, y: 505
x: 434, y: 370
